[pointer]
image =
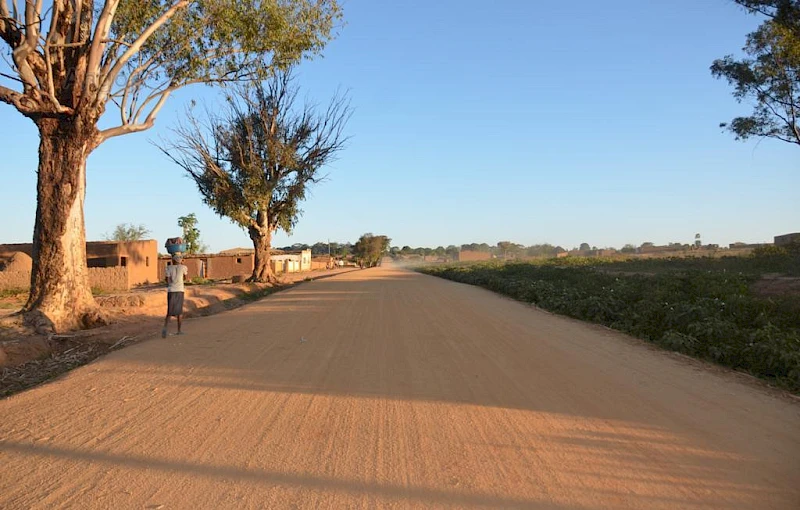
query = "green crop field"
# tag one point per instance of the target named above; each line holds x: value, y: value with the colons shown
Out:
x: 703, y: 307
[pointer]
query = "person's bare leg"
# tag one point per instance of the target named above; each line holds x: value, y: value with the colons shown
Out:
x: 164, y: 330
x: 179, y: 324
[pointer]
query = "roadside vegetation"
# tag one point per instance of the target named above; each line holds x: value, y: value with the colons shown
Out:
x: 12, y: 298
x: 703, y: 307
x: 370, y: 249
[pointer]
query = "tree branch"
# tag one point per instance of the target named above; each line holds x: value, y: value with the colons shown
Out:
x: 28, y: 45
x: 9, y: 96
x: 4, y: 20
x: 774, y: 111
x: 99, y: 43
x: 141, y: 73
x: 117, y: 41
x: 136, y: 46
x: 76, y: 33
x: 791, y: 108
x: 18, y: 100
x: 137, y: 127
x: 49, y: 82
x: 10, y: 77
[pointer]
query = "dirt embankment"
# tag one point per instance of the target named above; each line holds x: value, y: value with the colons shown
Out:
x: 27, y: 358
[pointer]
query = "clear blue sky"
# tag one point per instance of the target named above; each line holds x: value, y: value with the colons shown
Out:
x: 477, y: 121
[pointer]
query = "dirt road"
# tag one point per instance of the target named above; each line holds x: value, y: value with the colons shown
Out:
x: 385, y: 388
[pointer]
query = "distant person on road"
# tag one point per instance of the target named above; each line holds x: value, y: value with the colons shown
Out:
x: 175, y: 274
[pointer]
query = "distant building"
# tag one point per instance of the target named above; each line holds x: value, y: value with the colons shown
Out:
x: 237, y: 262
x: 787, y: 239
x: 291, y: 262
x: 741, y: 246
x: 659, y: 249
x: 471, y: 256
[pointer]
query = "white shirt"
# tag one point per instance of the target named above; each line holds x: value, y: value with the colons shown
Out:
x: 175, y: 274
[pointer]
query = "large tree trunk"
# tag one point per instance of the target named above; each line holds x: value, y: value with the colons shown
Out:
x: 262, y: 243
x: 60, y: 297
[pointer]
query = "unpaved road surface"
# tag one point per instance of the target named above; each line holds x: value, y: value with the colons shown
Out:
x: 407, y: 391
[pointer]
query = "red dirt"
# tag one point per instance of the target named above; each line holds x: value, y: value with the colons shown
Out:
x: 385, y: 388
x: 139, y: 314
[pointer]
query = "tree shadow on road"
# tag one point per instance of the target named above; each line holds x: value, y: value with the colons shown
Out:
x: 442, y: 355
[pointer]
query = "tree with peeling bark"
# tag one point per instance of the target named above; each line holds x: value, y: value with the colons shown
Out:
x: 769, y: 75
x: 71, y: 58
x: 255, y: 163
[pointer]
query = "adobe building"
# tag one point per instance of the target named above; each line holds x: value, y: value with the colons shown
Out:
x: 237, y: 262
x: 139, y: 258
x: 211, y: 266
x: 320, y: 262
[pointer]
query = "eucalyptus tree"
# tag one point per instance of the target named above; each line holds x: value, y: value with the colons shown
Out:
x: 70, y: 60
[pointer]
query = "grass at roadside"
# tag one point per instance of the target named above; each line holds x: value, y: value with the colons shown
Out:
x: 12, y: 299
x: 700, y: 307
x: 12, y: 293
x: 261, y: 292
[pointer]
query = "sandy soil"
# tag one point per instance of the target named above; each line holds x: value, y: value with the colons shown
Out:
x: 135, y: 315
x: 385, y: 388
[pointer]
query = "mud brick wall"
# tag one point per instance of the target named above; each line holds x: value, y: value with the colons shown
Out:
x: 15, y: 280
x: 108, y: 279
x: 221, y: 266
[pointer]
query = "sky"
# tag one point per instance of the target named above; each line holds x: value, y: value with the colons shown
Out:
x: 475, y: 121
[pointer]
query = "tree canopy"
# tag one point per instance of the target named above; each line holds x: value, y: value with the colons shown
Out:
x: 75, y: 57
x: 768, y: 74
x: 262, y: 154
x: 191, y: 234
x: 255, y: 163
x: 370, y: 249
x: 128, y: 232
